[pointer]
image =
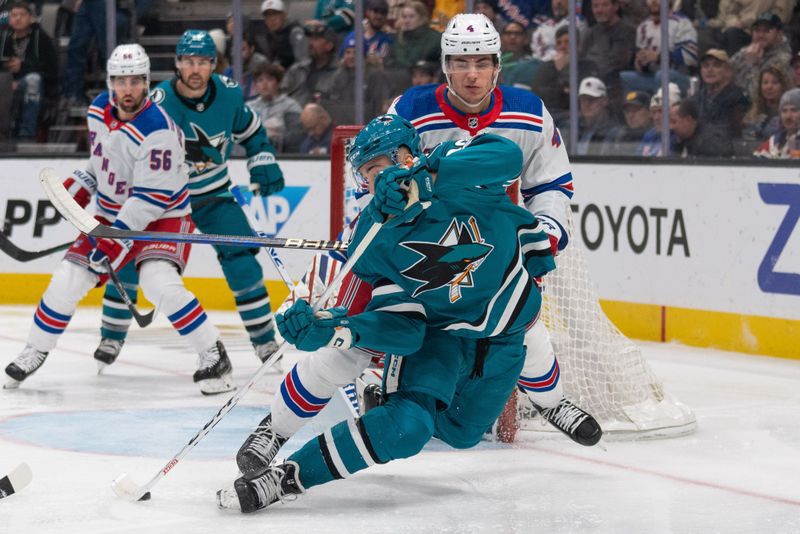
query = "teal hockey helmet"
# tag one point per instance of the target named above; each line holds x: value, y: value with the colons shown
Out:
x: 381, y: 137
x: 196, y: 43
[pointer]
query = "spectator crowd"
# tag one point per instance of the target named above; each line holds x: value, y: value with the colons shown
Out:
x: 734, y: 68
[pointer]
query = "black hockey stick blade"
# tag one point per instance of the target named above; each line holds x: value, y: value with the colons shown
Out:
x: 27, y: 255
x: 16, y: 480
x: 141, y: 320
x: 88, y: 225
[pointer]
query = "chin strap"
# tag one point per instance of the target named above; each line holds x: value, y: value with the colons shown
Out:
x: 468, y: 104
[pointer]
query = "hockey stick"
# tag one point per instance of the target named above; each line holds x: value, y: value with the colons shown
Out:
x: 348, y: 391
x: 88, y: 225
x: 125, y: 487
x: 27, y: 255
x: 141, y: 320
x: 16, y: 480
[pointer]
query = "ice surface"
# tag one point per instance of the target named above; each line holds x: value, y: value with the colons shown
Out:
x: 740, y: 472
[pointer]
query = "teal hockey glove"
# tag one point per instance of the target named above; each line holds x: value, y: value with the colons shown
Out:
x: 265, y: 172
x: 308, y: 331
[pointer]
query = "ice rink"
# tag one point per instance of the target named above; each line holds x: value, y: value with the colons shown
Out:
x: 740, y: 472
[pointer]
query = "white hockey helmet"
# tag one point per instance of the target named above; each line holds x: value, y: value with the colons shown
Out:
x: 127, y: 60
x: 470, y: 34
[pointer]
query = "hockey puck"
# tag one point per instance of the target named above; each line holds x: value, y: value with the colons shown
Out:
x: 145, y: 497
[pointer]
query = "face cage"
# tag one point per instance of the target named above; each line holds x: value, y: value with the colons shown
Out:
x: 112, y: 97
x: 360, y: 181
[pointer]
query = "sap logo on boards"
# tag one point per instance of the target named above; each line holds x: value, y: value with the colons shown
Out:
x: 769, y: 280
x: 661, y: 230
x: 19, y: 212
x: 274, y: 211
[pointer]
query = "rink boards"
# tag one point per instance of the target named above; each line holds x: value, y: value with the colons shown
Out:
x: 703, y: 255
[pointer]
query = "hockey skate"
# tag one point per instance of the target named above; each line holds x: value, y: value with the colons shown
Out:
x: 24, y: 366
x: 259, y: 449
x: 581, y: 427
x: 214, y: 372
x: 265, y: 350
x: 369, y: 389
x: 107, y: 352
x: 279, y: 483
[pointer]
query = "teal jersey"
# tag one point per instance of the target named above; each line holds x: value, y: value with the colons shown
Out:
x: 211, y: 125
x: 465, y: 265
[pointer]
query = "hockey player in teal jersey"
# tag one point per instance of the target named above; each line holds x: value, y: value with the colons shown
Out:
x: 211, y: 112
x: 453, y: 289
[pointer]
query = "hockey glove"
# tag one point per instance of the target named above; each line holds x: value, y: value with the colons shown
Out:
x: 81, y: 185
x: 265, y: 172
x: 308, y: 331
x: 554, y: 233
x: 393, y: 186
x: 114, y: 250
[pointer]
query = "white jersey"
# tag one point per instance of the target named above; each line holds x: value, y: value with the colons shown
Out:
x: 138, y: 165
x: 543, y: 40
x: 513, y: 113
x: 682, y: 39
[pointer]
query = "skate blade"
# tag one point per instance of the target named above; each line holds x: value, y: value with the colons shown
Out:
x: 215, y: 386
x: 101, y: 366
x: 11, y: 383
x: 227, y: 499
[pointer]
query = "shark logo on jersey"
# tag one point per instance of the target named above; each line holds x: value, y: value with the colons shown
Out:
x: 204, y: 152
x: 452, y: 261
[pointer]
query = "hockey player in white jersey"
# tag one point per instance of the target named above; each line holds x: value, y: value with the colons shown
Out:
x: 137, y: 174
x: 470, y: 103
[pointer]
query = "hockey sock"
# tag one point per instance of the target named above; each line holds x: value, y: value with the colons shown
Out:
x: 254, y: 308
x: 540, y: 376
x: 116, y: 315
x: 70, y: 283
x: 163, y: 286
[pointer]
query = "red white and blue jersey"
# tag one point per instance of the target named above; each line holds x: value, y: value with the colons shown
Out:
x: 138, y: 164
x: 517, y: 115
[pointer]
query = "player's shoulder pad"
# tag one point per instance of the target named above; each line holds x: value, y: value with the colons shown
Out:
x: 161, y: 91
x: 100, y: 101
x: 150, y: 120
x: 225, y: 84
x: 417, y: 102
x: 522, y: 100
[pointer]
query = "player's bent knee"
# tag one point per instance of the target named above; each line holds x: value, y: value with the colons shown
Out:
x: 457, y: 435
x: 159, y: 280
x: 401, y: 427
x: 71, y: 282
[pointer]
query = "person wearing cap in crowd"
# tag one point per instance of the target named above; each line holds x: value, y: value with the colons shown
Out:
x: 786, y: 143
x: 650, y: 145
x: 415, y: 40
x: 425, y: 72
x: 551, y: 81
x: 250, y: 60
x: 338, y: 15
x: 377, y: 41
x: 721, y: 102
x: 693, y: 138
x: 284, y: 40
x: 609, y: 44
x: 734, y: 17
x: 30, y: 57
x: 340, y: 100
x: 636, y: 110
x: 795, y: 64
x: 597, y: 129
x: 221, y: 44
x: 280, y: 114
x: 311, y: 80
x: 768, y: 48
x: 517, y: 64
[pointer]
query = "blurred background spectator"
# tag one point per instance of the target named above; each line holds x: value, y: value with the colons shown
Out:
x: 728, y: 29
x: 609, y: 45
x: 721, y: 102
x: 682, y: 45
x: 280, y: 114
x: 694, y: 138
x: 221, y: 44
x: 597, y: 129
x: 250, y: 60
x: 768, y: 48
x: 283, y: 40
x: 651, y: 145
x: 638, y: 121
x: 425, y: 72
x: 28, y: 54
x: 491, y: 10
x: 415, y: 40
x: 785, y: 144
x: 377, y: 40
x: 318, y: 127
x: 517, y: 64
x: 763, y: 120
x: 795, y: 64
x: 310, y: 80
x: 543, y: 41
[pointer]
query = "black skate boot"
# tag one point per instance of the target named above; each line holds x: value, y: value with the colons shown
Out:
x: 107, y: 352
x: 28, y: 361
x: 581, y: 427
x: 265, y: 350
x: 259, y: 449
x: 213, y: 373
x: 278, y: 483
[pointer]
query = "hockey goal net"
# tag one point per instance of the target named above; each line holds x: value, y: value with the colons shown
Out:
x: 602, y: 371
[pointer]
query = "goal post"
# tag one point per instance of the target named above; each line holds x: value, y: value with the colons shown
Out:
x: 602, y: 371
